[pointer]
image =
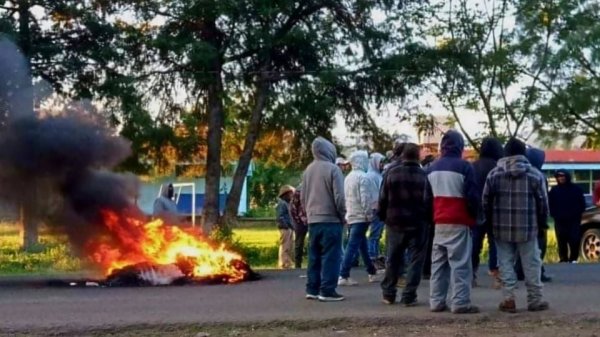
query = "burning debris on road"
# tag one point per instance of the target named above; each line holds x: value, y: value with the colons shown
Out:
x: 59, y: 168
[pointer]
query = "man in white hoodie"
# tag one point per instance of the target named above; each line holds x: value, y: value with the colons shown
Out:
x: 360, y: 194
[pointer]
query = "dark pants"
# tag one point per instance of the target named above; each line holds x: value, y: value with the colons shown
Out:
x: 427, y: 264
x: 324, y: 255
x: 300, y: 232
x: 357, y: 244
x: 479, y: 233
x: 567, y: 238
x: 543, y: 245
x: 397, y: 243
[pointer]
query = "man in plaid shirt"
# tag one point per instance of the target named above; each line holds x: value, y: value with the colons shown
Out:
x: 515, y: 201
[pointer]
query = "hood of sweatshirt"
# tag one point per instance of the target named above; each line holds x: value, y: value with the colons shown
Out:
x: 359, y: 161
x: 516, y: 166
x: 324, y: 150
x: 452, y: 144
x: 491, y: 148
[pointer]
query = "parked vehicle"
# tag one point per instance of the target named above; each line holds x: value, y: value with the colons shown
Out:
x: 590, y: 240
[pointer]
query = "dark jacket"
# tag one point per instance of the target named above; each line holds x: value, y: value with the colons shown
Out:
x: 537, y: 158
x: 405, y: 202
x: 491, y: 152
x: 456, y: 198
x: 284, y: 220
x: 567, y: 202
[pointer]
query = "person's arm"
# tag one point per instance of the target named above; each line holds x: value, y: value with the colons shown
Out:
x: 338, y: 193
x: 282, y: 216
x: 542, y: 203
x: 365, y: 197
x: 428, y: 202
x: 552, y: 202
x: 471, y: 191
x: 487, y: 199
x: 383, y: 200
x: 295, y: 209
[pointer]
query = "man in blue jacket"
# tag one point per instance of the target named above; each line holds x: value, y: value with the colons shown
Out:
x: 455, y: 205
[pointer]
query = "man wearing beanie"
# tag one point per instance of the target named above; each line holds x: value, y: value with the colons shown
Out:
x: 515, y: 200
x: 456, y: 201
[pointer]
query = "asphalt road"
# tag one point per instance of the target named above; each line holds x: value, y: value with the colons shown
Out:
x: 278, y: 297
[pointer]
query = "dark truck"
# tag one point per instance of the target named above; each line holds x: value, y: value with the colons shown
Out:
x: 590, y: 238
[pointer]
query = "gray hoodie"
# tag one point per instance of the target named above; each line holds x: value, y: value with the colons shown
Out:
x: 322, y: 192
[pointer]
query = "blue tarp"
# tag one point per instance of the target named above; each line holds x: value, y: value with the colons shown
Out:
x: 184, y: 206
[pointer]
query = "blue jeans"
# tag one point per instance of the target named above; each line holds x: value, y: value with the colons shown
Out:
x: 375, y: 236
x: 529, y: 252
x: 479, y: 233
x: 324, y: 255
x: 357, y: 243
x: 451, y: 265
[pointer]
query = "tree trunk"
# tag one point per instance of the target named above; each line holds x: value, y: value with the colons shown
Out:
x: 216, y: 121
x: 22, y: 105
x: 29, y: 229
x: 234, y: 196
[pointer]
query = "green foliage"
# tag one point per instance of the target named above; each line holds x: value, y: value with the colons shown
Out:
x: 266, y: 181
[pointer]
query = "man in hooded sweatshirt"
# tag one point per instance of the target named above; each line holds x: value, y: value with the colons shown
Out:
x: 323, y: 199
x: 455, y: 205
x: 567, y: 204
x: 514, y: 200
x: 165, y: 207
x: 491, y: 152
x: 360, y: 195
x: 376, y: 230
x: 537, y: 158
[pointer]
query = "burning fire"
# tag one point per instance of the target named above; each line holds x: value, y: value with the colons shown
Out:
x: 131, y: 242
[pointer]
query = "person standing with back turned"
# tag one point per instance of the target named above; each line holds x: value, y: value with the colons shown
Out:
x: 455, y: 206
x: 514, y: 200
x: 323, y: 199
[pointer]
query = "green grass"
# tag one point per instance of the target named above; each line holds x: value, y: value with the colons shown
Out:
x: 257, y: 242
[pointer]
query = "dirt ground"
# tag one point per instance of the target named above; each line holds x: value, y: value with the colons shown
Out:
x: 511, y: 326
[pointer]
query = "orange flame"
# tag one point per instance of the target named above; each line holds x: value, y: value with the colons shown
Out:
x: 131, y: 241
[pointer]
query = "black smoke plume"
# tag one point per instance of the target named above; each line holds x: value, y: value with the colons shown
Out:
x: 58, y: 168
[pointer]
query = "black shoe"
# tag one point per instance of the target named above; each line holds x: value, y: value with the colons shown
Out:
x: 540, y: 306
x: 546, y: 279
x: 335, y: 297
x: 466, y: 310
x: 388, y: 300
x: 409, y: 303
x: 440, y: 308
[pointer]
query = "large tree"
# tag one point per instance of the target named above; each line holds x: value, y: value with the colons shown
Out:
x: 274, y: 59
x: 57, y: 41
x: 526, y: 67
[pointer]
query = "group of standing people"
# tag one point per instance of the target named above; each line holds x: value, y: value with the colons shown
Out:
x: 436, y: 215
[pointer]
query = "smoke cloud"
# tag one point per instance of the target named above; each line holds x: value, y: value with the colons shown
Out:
x: 57, y: 167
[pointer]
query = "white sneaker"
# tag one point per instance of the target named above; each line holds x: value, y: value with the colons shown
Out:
x: 346, y: 282
x: 374, y: 278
